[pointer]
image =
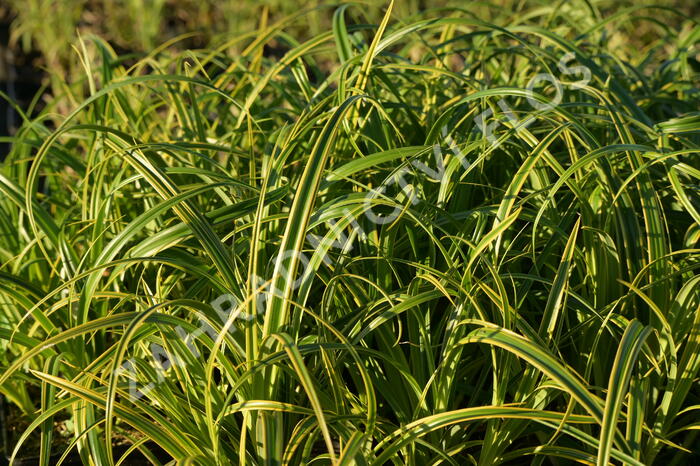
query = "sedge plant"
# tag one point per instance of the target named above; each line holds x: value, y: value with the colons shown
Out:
x: 389, y: 245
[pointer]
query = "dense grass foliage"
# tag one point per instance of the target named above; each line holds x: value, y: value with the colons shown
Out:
x: 377, y: 247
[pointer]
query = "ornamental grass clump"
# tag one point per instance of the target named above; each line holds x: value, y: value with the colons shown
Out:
x: 436, y: 241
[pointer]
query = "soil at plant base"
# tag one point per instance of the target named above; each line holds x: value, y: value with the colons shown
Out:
x: 15, y: 424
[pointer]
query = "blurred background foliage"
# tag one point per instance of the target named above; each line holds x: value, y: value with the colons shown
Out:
x: 47, y: 30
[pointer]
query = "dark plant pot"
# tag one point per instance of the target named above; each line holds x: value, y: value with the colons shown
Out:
x: 19, y: 79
